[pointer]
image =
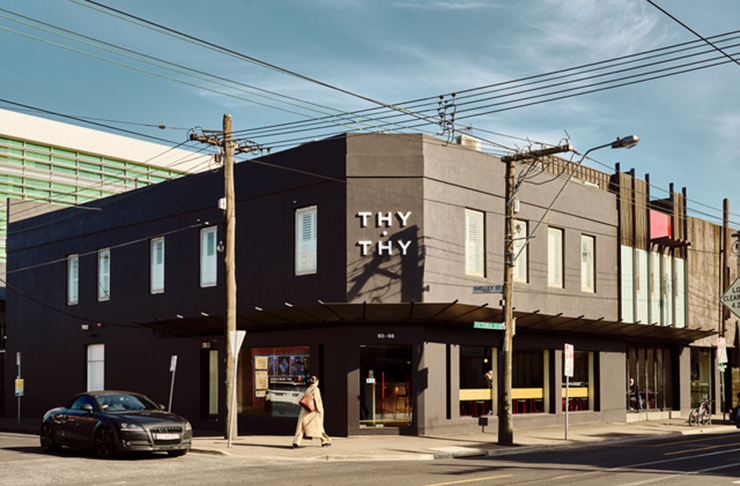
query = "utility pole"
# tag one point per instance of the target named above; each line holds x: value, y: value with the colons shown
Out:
x: 505, y: 417
x: 229, y: 148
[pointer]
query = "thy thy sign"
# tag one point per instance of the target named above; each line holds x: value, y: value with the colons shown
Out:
x: 731, y: 298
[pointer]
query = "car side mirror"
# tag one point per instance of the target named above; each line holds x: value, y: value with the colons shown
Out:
x: 87, y: 408
x: 162, y: 407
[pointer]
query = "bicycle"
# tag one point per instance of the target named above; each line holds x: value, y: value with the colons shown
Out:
x: 701, y: 415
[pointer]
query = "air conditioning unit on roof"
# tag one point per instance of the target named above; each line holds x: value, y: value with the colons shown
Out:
x: 468, y: 142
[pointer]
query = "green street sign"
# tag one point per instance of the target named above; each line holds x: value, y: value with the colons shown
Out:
x: 497, y: 326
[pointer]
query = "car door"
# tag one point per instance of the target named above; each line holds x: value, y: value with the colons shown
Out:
x: 80, y: 422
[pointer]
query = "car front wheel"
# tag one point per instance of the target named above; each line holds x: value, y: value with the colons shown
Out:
x: 48, y: 443
x: 105, y: 447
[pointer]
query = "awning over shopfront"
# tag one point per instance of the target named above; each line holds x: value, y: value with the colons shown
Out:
x: 454, y: 314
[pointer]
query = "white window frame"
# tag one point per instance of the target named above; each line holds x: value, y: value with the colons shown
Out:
x: 521, y: 231
x: 306, y: 239
x: 156, y: 278
x: 104, y: 274
x: 73, y: 279
x: 475, y: 231
x: 555, y: 258
x: 208, y: 257
x: 588, y: 263
x: 95, y: 367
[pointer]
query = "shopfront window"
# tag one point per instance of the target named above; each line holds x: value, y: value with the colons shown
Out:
x: 581, y: 387
x: 477, y: 380
x: 530, y: 388
x: 272, y: 379
x: 386, y: 398
x: 701, y: 375
x: 649, y: 379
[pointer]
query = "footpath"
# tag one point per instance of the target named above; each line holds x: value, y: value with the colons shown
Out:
x: 405, y: 448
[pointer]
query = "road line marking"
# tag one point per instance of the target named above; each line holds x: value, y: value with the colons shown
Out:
x: 685, y: 473
x: 707, y: 448
x: 471, y: 480
x: 679, y: 442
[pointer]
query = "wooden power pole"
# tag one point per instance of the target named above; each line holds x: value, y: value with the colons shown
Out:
x: 229, y: 146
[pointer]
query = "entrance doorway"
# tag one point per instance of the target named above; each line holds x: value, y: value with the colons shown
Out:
x: 385, y: 386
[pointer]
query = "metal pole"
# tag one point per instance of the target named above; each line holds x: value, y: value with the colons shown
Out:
x: 19, y: 396
x: 567, y: 403
x: 173, y: 369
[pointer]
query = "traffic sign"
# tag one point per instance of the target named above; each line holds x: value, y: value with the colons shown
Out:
x: 721, y: 351
x: 498, y: 326
x: 731, y: 297
x: 569, y: 352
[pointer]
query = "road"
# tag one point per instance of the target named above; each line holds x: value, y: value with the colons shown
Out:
x: 707, y: 460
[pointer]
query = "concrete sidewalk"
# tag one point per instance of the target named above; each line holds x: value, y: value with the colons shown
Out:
x: 405, y: 448
x: 395, y: 448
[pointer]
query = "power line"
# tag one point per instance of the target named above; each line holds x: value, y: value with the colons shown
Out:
x: 693, y: 32
x: 251, y: 59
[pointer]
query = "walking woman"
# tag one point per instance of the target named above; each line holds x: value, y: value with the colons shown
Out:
x: 311, y: 422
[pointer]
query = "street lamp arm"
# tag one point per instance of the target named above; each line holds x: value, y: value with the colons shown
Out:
x: 626, y: 142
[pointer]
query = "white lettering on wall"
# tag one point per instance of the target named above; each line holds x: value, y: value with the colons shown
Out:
x: 365, y: 245
x: 364, y: 215
x: 384, y: 220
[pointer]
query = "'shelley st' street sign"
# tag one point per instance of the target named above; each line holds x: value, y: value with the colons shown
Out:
x: 731, y: 298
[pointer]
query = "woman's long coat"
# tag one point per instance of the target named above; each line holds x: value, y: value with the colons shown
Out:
x: 312, y: 423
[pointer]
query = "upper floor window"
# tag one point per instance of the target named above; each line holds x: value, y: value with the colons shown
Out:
x: 156, y: 282
x: 208, y: 252
x: 305, y: 240
x: 555, y: 257
x: 474, y: 243
x: 73, y: 275
x: 104, y: 274
x: 588, y: 270
x: 520, y: 248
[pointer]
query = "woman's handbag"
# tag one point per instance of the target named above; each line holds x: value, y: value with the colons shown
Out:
x: 307, y: 402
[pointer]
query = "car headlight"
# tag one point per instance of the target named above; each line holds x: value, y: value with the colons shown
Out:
x: 130, y: 427
x: 188, y: 426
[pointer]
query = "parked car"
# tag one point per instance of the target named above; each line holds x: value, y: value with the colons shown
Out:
x: 113, y: 422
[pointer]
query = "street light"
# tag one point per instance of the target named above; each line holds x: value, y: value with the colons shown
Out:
x: 505, y: 419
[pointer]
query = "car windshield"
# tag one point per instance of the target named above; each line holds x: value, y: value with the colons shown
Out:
x: 119, y: 402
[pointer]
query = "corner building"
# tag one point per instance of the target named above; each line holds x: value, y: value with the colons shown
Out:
x: 369, y: 260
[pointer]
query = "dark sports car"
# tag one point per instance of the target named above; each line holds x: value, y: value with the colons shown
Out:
x: 112, y: 422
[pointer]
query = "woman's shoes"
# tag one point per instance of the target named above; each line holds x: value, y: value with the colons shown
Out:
x: 326, y: 444
x: 295, y: 446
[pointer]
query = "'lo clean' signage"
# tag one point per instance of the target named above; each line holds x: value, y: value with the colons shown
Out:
x: 731, y: 298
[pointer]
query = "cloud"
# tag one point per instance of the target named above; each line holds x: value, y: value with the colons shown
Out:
x: 451, y: 5
x: 591, y: 29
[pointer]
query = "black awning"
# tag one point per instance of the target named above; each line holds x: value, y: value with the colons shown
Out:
x: 453, y: 314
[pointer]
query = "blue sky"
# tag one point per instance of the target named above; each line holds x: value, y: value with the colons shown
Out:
x: 394, y: 51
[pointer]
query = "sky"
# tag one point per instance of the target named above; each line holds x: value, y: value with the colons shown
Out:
x: 300, y: 61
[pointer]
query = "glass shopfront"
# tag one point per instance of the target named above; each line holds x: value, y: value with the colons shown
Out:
x: 581, y: 387
x: 531, y: 391
x: 478, y: 374
x: 385, y: 386
x: 649, y: 378
x: 271, y: 380
x: 701, y: 375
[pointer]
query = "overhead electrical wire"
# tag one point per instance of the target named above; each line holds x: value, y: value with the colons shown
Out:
x: 210, y: 45
x: 460, y: 106
x: 539, y: 78
x: 693, y: 32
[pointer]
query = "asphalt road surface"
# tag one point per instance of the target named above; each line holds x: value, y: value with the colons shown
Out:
x: 705, y: 460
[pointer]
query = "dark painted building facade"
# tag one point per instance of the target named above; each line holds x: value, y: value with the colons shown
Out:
x: 370, y: 260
